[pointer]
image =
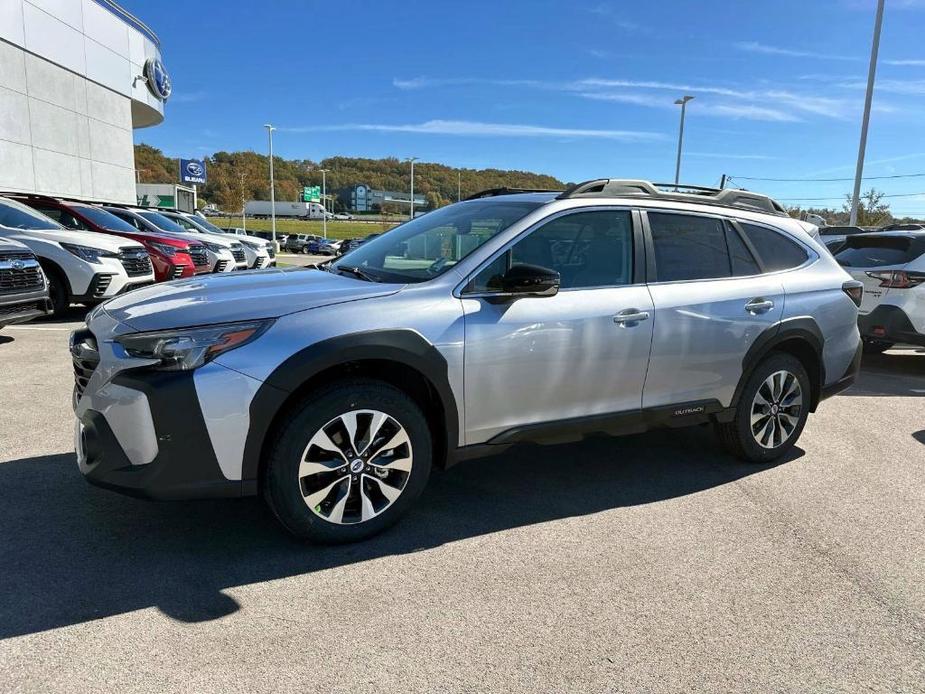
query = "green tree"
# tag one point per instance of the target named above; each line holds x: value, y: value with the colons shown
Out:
x: 872, y: 210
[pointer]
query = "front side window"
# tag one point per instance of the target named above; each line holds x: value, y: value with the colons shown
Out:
x: 428, y: 246
x: 776, y: 251
x: 587, y: 249
x: 688, y: 247
x: 17, y: 216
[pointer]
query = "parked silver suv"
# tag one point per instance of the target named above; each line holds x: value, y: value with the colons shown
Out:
x: 615, y: 306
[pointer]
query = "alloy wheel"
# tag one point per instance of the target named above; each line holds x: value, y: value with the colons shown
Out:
x: 776, y: 409
x: 355, y: 466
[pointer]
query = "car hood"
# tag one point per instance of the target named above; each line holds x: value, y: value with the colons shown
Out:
x: 228, y: 297
x: 7, y: 244
x: 93, y: 239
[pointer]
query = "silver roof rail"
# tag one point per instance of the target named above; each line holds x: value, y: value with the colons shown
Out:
x: 682, y: 192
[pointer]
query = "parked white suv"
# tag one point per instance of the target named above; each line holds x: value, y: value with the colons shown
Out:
x: 891, y: 264
x: 82, y: 267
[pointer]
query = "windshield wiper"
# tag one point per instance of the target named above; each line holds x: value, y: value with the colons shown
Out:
x: 356, y: 272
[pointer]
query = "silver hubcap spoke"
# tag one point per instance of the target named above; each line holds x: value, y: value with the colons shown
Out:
x: 355, y: 466
x: 776, y: 409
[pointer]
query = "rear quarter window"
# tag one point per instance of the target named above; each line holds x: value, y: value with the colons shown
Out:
x: 777, y: 252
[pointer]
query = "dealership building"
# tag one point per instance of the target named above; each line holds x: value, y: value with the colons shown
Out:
x: 76, y: 78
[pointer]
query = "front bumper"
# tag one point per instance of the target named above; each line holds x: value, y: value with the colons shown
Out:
x: 158, y: 413
x: 889, y: 324
x: 23, y: 306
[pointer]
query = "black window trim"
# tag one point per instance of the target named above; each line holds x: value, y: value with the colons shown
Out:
x: 639, y: 269
x: 811, y: 255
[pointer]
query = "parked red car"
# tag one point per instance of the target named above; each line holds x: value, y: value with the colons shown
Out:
x: 171, y: 257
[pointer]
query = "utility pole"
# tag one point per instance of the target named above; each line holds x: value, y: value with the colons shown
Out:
x: 683, y: 104
x: 270, y: 130
x: 458, y: 186
x: 243, y: 202
x: 871, y: 76
x: 412, y: 160
x: 324, y: 204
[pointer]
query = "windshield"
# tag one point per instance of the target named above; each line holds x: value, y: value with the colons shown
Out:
x: 161, y: 222
x: 18, y: 216
x: 106, y: 220
x: 428, y: 246
x: 202, y: 224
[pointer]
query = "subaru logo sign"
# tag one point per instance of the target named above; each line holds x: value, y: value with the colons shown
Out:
x: 18, y: 264
x: 158, y: 79
x: 193, y: 171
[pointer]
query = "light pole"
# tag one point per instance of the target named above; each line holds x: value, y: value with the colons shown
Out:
x: 412, y: 160
x: 324, y: 204
x: 683, y: 104
x: 871, y: 75
x: 270, y: 130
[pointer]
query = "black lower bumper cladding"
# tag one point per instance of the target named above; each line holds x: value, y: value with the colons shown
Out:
x: 185, y: 466
x: 890, y: 324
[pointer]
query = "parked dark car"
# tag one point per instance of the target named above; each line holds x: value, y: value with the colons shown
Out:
x: 350, y: 244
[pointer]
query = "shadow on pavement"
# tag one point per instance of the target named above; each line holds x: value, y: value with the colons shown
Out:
x: 72, y: 553
x: 899, y: 372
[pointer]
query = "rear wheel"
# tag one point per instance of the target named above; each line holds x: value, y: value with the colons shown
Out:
x: 771, y: 413
x: 876, y: 346
x: 350, y: 460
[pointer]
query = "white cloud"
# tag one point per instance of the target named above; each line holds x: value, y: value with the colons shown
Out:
x: 723, y: 155
x: 915, y: 87
x: 910, y: 62
x: 735, y: 111
x: 755, y: 47
x: 479, y: 129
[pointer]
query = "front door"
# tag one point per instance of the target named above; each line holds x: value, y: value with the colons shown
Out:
x: 580, y: 353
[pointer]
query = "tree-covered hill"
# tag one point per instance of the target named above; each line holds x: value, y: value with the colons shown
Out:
x: 237, y: 176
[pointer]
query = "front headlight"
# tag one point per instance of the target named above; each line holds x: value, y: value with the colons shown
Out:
x: 88, y: 253
x: 214, y: 247
x: 169, y: 251
x: 252, y: 245
x: 189, y: 348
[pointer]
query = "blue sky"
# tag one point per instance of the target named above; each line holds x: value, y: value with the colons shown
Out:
x: 575, y: 89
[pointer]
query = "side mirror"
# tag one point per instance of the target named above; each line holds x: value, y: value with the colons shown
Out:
x: 530, y: 280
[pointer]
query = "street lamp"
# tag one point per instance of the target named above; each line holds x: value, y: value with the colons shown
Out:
x: 683, y: 104
x: 412, y: 160
x: 871, y: 75
x: 270, y: 130
x: 324, y: 204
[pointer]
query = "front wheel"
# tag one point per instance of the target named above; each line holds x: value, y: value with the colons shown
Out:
x: 349, y: 462
x: 771, y: 412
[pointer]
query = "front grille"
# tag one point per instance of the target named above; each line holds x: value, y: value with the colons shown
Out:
x: 85, y: 357
x: 221, y: 265
x: 136, y: 261
x: 19, y: 272
x: 238, y: 254
x: 271, y: 251
x: 98, y: 285
x: 199, y: 255
x: 132, y: 287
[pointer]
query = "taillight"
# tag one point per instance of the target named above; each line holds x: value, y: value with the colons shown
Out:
x: 854, y: 290
x: 898, y: 279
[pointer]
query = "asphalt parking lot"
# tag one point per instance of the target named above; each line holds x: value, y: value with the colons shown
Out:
x: 652, y: 563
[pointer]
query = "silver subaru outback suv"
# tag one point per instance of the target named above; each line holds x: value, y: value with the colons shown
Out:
x: 615, y: 306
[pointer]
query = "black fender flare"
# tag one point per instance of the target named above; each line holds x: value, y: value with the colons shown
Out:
x: 405, y: 347
x: 802, y: 328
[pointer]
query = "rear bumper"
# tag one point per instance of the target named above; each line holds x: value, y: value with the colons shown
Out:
x: 889, y: 324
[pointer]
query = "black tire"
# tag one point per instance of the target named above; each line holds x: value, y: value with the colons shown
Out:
x: 282, y: 488
x: 58, y: 292
x: 876, y: 346
x: 737, y: 436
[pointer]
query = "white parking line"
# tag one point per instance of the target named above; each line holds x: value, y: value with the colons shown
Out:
x: 35, y: 327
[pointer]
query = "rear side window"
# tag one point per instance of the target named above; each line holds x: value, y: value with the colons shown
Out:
x: 743, y: 262
x: 879, y: 252
x: 688, y: 247
x: 65, y: 219
x: 776, y: 251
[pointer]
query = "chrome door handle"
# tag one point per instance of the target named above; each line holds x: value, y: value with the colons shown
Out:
x: 756, y: 306
x: 630, y: 316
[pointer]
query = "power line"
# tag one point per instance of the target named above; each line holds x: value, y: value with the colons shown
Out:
x: 827, y: 180
x: 842, y: 197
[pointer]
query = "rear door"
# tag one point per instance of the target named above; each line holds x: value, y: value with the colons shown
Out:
x: 711, y: 302
x: 867, y: 259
